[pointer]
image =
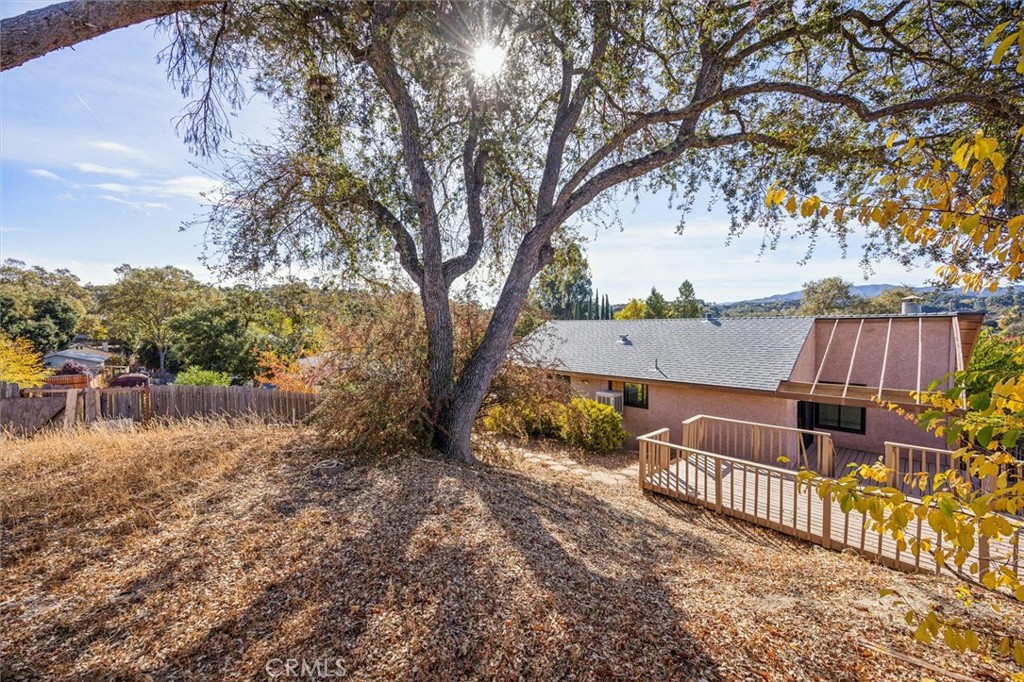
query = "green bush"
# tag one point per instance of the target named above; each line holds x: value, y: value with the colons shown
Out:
x: 196, y: 376
x: 520, y: 419
x: 592, y: 426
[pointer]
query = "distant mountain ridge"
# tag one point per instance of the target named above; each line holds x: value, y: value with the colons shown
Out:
x: 863, y: 290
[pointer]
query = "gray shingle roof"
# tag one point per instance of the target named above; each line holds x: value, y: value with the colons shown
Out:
x: 751, y: 353
x: 80, y: 355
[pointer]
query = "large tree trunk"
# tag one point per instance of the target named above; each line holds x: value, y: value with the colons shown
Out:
x: 33, y: 34
x: 454, y: 424
x: 440, y: 355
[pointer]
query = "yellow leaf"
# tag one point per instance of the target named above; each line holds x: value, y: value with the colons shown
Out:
x: 1003, y: 46
x: 791, y: 204
x: 991, y: 38
x: 1014, y: 224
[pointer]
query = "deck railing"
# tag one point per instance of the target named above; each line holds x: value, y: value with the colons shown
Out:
x: 763, y: 443
x: 772, y: 497
x: 910, y: 463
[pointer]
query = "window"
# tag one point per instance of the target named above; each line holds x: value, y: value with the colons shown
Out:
x: 839, y: 417
x: 634, y: 395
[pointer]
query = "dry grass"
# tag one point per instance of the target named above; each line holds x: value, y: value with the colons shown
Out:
x: 203, y: 551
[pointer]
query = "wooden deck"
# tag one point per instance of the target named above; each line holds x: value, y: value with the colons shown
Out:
x: 771, y: 497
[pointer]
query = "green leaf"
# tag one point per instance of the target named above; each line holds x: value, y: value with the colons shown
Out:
x: 984, y: 436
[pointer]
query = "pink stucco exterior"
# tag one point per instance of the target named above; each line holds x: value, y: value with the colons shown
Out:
x: 669, y: 404
x: 936, y: 343
x: 919, y: 351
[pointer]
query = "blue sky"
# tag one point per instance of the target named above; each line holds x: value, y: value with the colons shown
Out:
x: 92, y: 175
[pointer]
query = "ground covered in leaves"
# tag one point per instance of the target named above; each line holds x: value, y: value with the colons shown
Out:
x: 221, y: 552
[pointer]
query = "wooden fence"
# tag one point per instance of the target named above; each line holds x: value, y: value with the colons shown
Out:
x: 26, y: 411
x: 771, y: 497
x: 183, y: 402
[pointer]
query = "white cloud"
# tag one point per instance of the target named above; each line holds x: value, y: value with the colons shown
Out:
x: 114, y: 187
x: 41, y: 173
x: 118, y: 148
x: 139, y: 205
x: 127, y: 173
x: 144, y: 196
x: 187, y: 186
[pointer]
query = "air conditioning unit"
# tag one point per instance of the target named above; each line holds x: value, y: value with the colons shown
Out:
x: 612, y: 398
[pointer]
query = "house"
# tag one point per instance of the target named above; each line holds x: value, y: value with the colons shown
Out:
x: 92, y: 359
x: 821, y: 373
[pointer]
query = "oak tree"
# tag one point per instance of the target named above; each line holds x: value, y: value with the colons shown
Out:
x: 459, y: 136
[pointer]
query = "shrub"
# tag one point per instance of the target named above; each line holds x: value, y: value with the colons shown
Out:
x: 374, y: 383
x: 70, y: 368
x: 289, y: 374
x: 196, y: 376
x: 522, y: 419
x: 592, y: 426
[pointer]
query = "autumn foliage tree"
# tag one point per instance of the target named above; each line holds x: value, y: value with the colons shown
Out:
x: 20, y: 363
x: 963, y: 204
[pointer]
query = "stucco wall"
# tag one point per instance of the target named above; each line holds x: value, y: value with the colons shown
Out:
x: 668, y: 405
x: 937, y: 356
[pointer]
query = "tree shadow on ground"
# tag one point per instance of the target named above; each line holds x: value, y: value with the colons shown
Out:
x: 417, y: 571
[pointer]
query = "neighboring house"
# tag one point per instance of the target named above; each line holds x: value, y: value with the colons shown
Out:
x: 97, y: 347
x: 91, y: 359
x: 815, y: 373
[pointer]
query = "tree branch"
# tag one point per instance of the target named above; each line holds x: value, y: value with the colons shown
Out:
x: 570, y: 106
x: 33, y: 34
x: 473, y: 164
x: 382, y: 62
x: 405, y: 245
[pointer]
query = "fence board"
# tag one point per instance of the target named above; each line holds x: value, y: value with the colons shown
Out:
x: 183, y: 402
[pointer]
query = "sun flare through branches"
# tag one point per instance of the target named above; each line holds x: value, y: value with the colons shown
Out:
x: 488, y: 59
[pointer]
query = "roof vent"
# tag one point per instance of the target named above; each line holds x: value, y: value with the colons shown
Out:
x: 911, y: 305
x: 708, y: 315
x: 624, y: 340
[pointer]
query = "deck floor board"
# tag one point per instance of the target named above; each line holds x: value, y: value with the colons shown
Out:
x: 772, y: 499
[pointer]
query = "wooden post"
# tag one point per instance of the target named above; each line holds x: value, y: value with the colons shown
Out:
x: 827, y: 458
x: 70, y: 408
x: 892, y: 461
x: 826, y: 521
x: 718, y: 485
x: 988, y: 485
x: 643, y: 464
x: 91, y: 394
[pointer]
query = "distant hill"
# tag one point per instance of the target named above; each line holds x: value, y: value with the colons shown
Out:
x: 864, y: 290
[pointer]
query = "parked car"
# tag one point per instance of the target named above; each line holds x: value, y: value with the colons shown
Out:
x: 130, y: 380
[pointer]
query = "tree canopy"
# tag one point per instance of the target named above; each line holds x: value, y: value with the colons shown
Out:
x: 396, y: 144
x: 564, y: 284
x: 141, y: 304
